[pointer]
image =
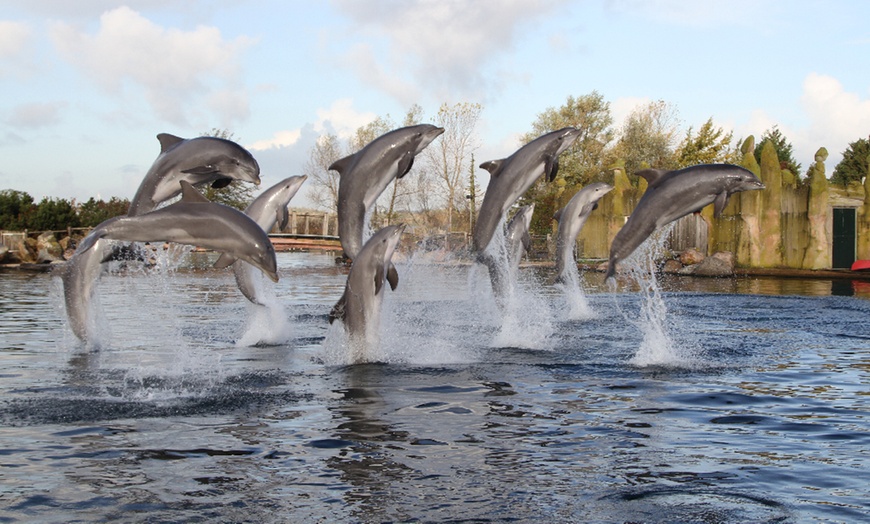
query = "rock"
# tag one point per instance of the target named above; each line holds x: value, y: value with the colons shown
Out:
x: 672, y: 267
x: 26, y: 251
x: 48, y: 249
x: 714, y: 267
x: 691, y: 256
x: 4, y: 251
x: 727, y: 257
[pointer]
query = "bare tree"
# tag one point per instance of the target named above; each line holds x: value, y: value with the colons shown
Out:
x: 449, y: 155
x: 322, y: 181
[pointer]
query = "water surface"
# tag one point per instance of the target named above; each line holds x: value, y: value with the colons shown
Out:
x: 475, y: 415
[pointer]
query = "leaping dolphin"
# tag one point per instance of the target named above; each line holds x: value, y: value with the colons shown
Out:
x: 194, y: 221
x: 571, y: 219
x: 195, y: 160
x: 79, y: 275
x: 360, y: 305
x: 510, y: 177
x: 518, y: 240
x: 674, y: 194
x: 268, y: 209
x: 365, y: 174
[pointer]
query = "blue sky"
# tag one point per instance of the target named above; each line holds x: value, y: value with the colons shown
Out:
x: 87, y: 85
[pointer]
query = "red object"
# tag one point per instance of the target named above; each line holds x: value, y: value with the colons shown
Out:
x: 861, y: 265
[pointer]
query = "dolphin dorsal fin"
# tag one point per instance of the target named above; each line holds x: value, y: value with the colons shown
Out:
x: 167, y: 141
x: 652, y: 175
x: 342, y: 164
x: 557, y: 216
x: 190, y: 195
x: 493, y: 166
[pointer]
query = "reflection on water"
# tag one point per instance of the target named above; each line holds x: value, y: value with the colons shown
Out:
x: 174, y: 421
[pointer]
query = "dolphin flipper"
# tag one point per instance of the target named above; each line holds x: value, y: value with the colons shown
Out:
x: 224, y: 261
x: 283, y: 218
x: 527, y: 242
x: 405, y: 164
x: 720, y: 203
x: 551, y: 167
x: 221, y: 183
x: 393, y: 277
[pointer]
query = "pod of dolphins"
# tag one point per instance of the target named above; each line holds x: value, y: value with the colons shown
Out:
x: 242, y: 239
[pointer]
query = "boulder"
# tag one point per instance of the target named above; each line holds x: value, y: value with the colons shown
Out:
x: 672, y: 266
x: 691, y: 256
x: 26, y: 251
x: 4, y: 252
x: 48, y: 249
x: 716, y: 266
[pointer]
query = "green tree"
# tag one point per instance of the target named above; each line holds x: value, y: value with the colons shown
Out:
x: 94, y: 212
x: 237, y: 194
x: 783, y: 148
x: 15, y: 208
x: 648, y: 137
x: 709, y: 146
x: 53, y: 214
x: 584, y: 162
x: 855, y: 161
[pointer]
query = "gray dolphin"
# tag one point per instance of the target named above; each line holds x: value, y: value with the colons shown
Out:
x: 571, y: 219
x: 510, y: 177
x: 518, y: 240
x: 268, y: 209
x: 359, y: 307
x: 196, y: 160
x: 79, y: 276
x: 674, y: 194
x: 365, y: 174
x: 195, y: 221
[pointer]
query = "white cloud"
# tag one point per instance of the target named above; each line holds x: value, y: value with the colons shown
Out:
x: 36, y: 115
x: 621, y: 108
x: 342, y: 118
x: 14, y: 37
x: 279, y: 139
x: 177, y: 69
x: 836, y: 116
x: 444, y: 45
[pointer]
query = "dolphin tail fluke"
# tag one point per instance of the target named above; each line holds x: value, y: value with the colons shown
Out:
x: 338, y: 312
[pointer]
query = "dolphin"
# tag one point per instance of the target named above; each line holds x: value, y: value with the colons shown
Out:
x: 268, y: 209
x: 510, y: 177
x: 195, y: 160
x: 360, y: 305
x: 571, y: 219
x: 674, y: 194
x: 194, y: 221
x: 365, y: 174
x: 79, y: 276
x: 502, y: 269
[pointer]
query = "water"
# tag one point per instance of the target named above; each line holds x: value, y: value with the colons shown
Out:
x: 174, y: 420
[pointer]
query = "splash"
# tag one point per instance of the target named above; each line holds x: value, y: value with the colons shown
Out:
x: 577, y: 305
x: 658, y: 347
x: 266, y: 323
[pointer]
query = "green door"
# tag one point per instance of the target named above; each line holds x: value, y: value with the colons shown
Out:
x: 844, y: 238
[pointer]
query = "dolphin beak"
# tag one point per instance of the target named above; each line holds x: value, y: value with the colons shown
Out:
x: 273, y: 276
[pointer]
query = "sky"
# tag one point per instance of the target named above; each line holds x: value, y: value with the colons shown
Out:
x: 87, y: 85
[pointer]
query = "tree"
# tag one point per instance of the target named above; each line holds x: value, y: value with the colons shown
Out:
x: 711, y: 145
x: 449, y: 155
x: 853, y: 167
x: 15, y: 209
x: 783, y: 148
x: 648, y: 137
x: 584, y: 162
x: 236, y: 194
x: 94, y: 212
x: 53, y: 214
x: 323, y: 183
